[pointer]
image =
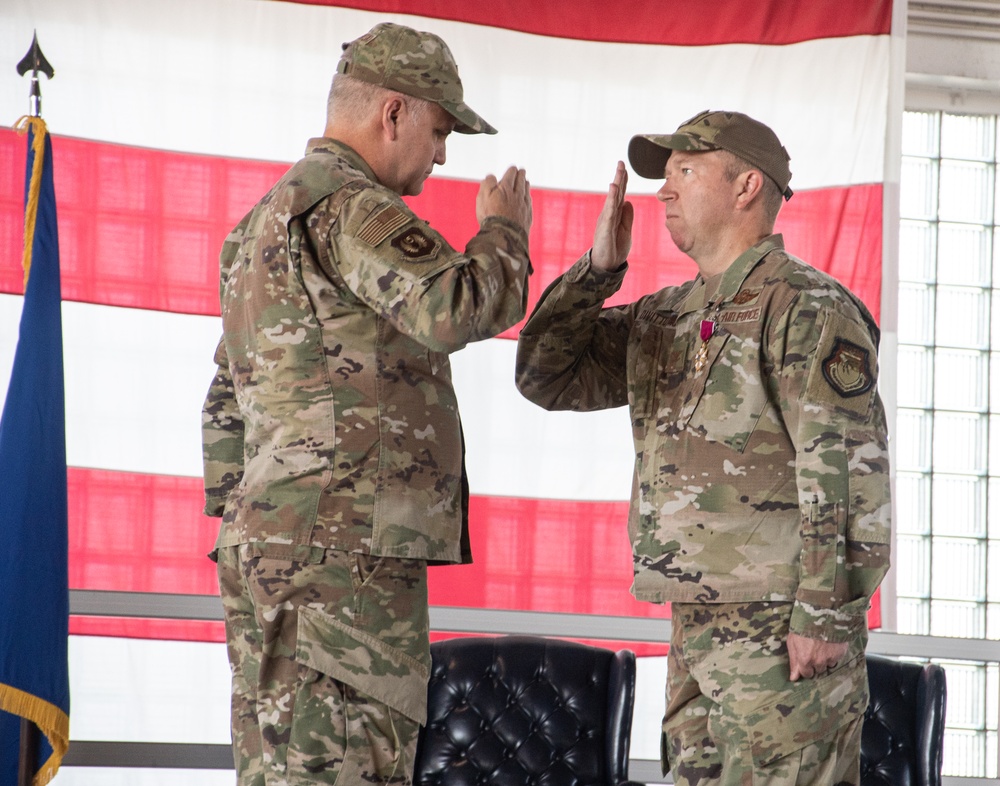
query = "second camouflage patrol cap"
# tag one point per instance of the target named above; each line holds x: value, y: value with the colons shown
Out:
x: 741, y: 135
x: 414, y: 63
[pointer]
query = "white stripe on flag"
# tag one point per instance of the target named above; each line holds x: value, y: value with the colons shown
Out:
x: 249, y: 79
x: 136, y: 380
x: 135, y: 384
x: 516, y: 449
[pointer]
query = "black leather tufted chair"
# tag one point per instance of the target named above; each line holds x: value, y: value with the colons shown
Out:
x: 526, y: 710
x: 903, y: 732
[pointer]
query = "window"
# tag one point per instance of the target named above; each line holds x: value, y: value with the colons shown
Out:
x: 948, y: 396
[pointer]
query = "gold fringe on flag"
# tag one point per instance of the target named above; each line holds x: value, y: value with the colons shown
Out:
x: 51, y: 721
x: 38, y: 128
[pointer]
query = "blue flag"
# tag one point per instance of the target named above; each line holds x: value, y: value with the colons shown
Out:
x: 34, y: 585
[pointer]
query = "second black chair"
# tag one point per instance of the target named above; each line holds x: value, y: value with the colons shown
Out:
x: 902, y: 739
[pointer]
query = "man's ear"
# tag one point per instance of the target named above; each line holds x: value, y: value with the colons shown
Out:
x: 392, y: 112
x: 751, y: 184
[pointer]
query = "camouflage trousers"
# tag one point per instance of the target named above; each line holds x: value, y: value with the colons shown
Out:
x: 733, y: 717
x: 330, y: 659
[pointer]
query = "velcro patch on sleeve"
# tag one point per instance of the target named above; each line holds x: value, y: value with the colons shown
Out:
x: 382, y: 224
x: 415, y: 244
x: 844, y: 367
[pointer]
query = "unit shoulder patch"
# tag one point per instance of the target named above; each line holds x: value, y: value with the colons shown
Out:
x: 414, y: 244
x: 843, y: 364
x: 846, y: 369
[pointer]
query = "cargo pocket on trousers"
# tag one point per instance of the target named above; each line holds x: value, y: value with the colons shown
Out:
x: 817, y: 710
x: 364, y: 662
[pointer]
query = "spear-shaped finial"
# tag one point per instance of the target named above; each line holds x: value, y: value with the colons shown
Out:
x: 35, y: 61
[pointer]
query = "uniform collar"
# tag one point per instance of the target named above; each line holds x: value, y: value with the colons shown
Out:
x: 323, y: 144
x: 733, y: 277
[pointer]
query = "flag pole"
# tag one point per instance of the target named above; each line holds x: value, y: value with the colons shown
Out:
x: 35, y: 62
x: 28, y: 752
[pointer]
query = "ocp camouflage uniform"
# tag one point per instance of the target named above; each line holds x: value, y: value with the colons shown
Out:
x: 760, y: 501
x: 334, y: 454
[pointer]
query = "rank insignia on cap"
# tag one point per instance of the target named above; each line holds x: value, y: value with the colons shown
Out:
x: 414, y: 244
x: 846, y: 369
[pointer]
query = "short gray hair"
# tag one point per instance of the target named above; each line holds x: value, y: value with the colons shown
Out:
x: 352, y: 98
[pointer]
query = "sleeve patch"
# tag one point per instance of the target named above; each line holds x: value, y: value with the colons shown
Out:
x: 413, y: 244
x: 843, y: 372
x: 846, y: 368
x: 380, y: 225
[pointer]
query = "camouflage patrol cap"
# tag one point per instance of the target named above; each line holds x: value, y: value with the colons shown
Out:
x: 414, y: 63
x: 741, y: 135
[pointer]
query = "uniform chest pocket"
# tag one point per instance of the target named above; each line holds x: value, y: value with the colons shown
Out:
x: 655, y: 363
x: 727, y: 397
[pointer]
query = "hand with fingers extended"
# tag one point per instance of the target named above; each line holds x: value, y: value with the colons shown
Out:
x: 613, y: 235
x: 509, y: 197
x: 808, y: 658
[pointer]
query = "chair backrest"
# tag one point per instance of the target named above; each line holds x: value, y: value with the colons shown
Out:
x: 524, y: 709
x: 903, y: 733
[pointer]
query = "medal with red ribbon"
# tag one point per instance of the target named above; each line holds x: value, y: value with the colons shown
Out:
x: 707, y: 331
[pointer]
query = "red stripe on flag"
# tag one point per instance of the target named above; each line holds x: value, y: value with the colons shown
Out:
x: 131, y: 628
x: 539, y: 555
x: 530, y: 555
x: 139, y: 533
x: 142, y: 228
x: 837, y: 230
x: 545, y: 555
x: 138, y: 228
x: 653, y: 21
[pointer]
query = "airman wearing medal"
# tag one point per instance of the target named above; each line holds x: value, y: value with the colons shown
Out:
x: 760, y: 505
x: 332, y: 442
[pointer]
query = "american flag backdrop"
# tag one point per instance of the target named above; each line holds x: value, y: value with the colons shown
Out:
x: 170, y: 120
